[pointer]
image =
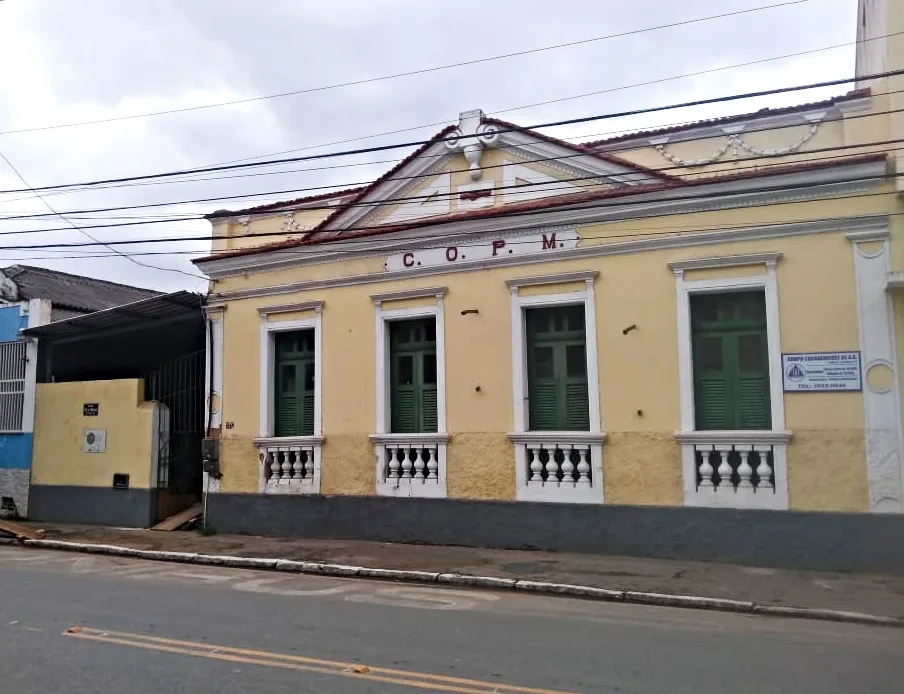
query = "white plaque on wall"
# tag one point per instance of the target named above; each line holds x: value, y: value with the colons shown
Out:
x: 94, y: 441
x: 821, y: 371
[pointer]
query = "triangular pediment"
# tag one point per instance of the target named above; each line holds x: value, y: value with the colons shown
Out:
x: 481, y: 163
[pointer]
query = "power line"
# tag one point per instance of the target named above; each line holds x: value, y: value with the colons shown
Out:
x: 85, y: 233
x: 501, y: 130
x: 542, y: 186
x: 410, y: 73
x: 492, y: 112
x: 576, y: 205
x: 637, y: 233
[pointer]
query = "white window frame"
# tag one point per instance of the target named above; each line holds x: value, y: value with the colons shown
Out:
x: 688, y: 435
x: 521, y: 436
x: 268, y: 331
x: 382, y: 436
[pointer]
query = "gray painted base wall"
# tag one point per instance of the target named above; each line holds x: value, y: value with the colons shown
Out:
x: 14, y: 483
x: 131, y: 508
x: 822, y: 541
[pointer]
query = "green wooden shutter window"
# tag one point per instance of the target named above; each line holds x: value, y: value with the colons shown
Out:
x: 294, y: 383
x: 731, y: 362
x: 558, y: 396
x: 413, y: 404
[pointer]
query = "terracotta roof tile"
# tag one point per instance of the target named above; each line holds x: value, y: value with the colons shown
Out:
x: 276, y: 205
x: 762, y: 113
x: 548, y: 203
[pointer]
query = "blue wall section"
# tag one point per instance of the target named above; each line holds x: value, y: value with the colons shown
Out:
x: 15, y: 451
x: 11, y: 322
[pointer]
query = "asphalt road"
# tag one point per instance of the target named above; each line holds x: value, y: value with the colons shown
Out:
x: 79, y: 624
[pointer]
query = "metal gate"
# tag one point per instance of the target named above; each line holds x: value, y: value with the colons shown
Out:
x: 179, y: 384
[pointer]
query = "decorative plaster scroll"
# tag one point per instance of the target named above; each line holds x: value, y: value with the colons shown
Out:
x: 736, y: 144
x: 881, y: 405
x: 291, y: 225
x: 470, y: 138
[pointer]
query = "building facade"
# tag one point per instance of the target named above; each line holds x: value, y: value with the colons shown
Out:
x: 31, y: 297
x: 696, y: 317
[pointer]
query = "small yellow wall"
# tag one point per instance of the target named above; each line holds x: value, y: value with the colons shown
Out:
x: 59, y: 426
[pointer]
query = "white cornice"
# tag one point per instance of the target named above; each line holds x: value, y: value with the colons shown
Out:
x: 868, y: 236
x: 437, y: 292
x: 291, y: 308
x: 559, y: 278
x: 725, y: 261
x: 808, y: 185
x: 682, y: 240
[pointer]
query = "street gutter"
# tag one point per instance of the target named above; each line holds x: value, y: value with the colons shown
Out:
x: 487, y: 582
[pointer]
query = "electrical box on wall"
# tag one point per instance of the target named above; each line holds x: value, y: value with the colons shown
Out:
x: 210, y: 456
x: 94, y: 441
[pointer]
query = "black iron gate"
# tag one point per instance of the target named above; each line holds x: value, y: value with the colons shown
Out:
x: 179, y: 384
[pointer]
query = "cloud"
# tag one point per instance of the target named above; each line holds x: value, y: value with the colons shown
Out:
x: 99, y: 59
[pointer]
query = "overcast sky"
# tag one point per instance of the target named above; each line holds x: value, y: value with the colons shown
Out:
x: 68, y: 62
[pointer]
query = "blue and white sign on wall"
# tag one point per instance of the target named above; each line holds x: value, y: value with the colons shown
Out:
x: 821, y: 371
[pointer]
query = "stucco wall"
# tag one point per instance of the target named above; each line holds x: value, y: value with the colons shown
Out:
x: 11, y: 322
x: 638, y: 371
x: 59, y: 426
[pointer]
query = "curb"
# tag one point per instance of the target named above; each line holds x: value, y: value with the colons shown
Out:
x: 536, y: 587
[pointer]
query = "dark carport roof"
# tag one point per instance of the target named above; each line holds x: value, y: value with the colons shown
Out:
x: 138, y: 314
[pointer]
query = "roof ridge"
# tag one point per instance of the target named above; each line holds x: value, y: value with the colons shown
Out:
x: 703, y: 122
x: 44, y: 270
x: 282, y: 203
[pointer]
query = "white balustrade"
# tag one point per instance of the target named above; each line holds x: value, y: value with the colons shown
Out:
x: 411, y: 464
x: 735, y: 469
x: 289, y: 465
x: 558, y: 466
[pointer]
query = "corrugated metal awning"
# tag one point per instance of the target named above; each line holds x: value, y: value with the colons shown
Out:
x: 138, y: 314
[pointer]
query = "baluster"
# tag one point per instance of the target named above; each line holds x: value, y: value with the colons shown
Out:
x: 286, y: 465
x: 745, y: 472
x: 297, y: 465
x: 568, y: 466
x: 763, y: 470
x: 725, y: 468
x: 419, y: 464
x: 536, y: 467
x: 273, y: 457
x: 433, y: 464
x: 584, y: 467
x: 552, y: 466
x: 405, y: 457
x: 394, y: 464
x: 706, y: 470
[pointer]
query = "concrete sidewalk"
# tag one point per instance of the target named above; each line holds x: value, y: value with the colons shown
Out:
x: 875, y: 594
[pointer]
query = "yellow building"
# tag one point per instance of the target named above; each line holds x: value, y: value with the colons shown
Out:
x: 699, y: 316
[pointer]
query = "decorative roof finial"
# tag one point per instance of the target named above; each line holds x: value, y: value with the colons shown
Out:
x: 470, y: 138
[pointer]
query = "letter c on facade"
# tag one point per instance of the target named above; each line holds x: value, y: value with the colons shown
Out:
x: 408, y: 259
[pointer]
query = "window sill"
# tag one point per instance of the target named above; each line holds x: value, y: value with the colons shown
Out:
x: 735, y: 436
x: 413, y: 439
x: 586, y: 438
x: 288, y: 441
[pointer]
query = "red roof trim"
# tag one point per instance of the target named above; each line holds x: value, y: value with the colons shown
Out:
x: 762, y: 113
x: 547, y: 203
x: 582, y: 148
x: 276, y: 205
